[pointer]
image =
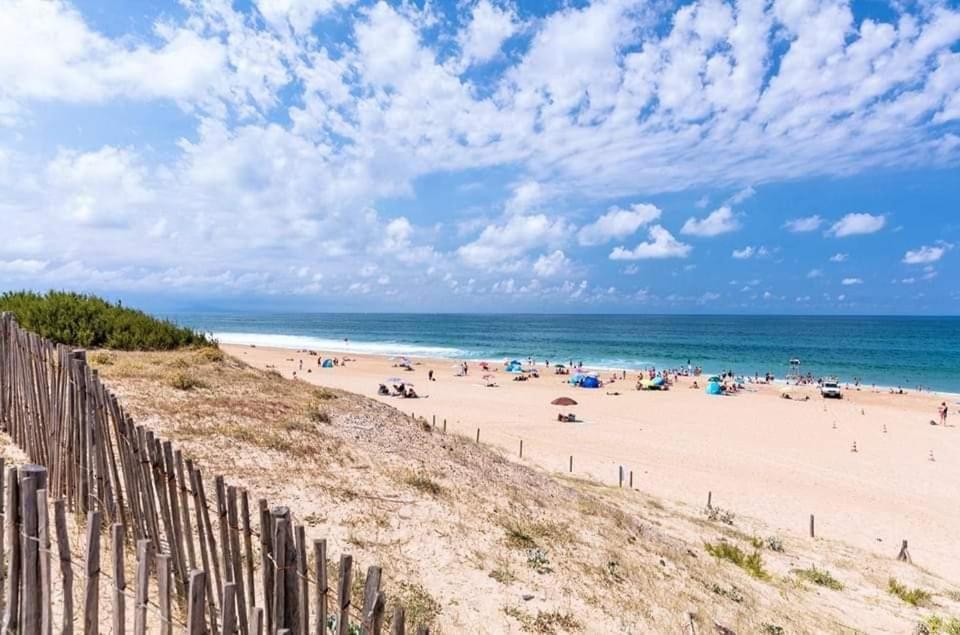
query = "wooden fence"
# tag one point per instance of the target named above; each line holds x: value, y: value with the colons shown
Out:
x: 214, y: 572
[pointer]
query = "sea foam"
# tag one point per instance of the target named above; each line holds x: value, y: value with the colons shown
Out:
x: 298, y: 342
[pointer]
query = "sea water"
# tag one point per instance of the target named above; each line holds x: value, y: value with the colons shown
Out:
x: 887, y: 351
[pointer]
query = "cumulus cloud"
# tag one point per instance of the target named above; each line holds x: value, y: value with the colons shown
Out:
x: 815, y: 273
x: 488, y: 28
x: 617, y: 223
x: 926, y: 254
x: 547, y: 266
x: 501, y: 243
x: 661, y: 244
x: 857, y: 224
x: 839, y: 257
x: 805, y: 224
x: 851, y: 281
x: 720, y: 221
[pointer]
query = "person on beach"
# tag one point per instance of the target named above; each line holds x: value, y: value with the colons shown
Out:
x: 943, y: 413
x: 430, y: 375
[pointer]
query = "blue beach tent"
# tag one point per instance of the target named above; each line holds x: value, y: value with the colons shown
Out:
x: 328, y: 363
x: 590, y: 382
x: 514, y: 366
x: 713, y: 388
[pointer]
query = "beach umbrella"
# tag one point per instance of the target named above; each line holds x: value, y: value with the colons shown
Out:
x: 563, y: 401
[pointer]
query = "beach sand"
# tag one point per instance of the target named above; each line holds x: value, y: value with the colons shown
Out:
x: 774, y: 460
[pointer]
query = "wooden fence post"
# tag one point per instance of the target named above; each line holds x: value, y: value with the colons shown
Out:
x: 343, y: 594
x: 229, y: 608
x: 32, y: 478
x: 248, y: 549
x: 303, y: 597
x: 266, y: 567
x: 812, y: 535
x: 279, y: 575
x: 398, y: 623
x: 320, y: 565
x: 91, y: 591
x: 43, y: 518
x: 195, y: 605
x: 233, y: 521
x: 371, y: 591
x: 11, y: 618
x: 143, y: 587
x: 119, y: 580
x: 164, y: 571
x: 66, y: 568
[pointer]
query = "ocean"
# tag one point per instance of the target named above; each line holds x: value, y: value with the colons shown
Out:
x: 887, y: 351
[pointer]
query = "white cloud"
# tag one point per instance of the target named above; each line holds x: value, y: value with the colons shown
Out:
x: 815, y: 273
x: 805, y: 224
x: 526, y: 196
x: 299, y: 14
x: 857, y: 224
x: 105, y: 187
x: 720, y: 221
x: 489, y: 27
x: 618, y: 223
x: 22, y: 266
x: 751, y: 252
x: 662, y: 244
x: 839, y: 257
x: 501, y: 243
x: 926, y: 254
x: 851, y: 281
x: 547, y: 266
x: 70, y: 61
x: 741, y: 196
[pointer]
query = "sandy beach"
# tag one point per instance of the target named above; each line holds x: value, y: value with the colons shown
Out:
x: 761, y: 456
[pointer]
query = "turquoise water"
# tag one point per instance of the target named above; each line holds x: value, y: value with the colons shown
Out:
x: 887, y: 351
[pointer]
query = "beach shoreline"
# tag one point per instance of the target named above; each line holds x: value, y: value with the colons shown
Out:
x: 422, y: 353
x: 768, y: 458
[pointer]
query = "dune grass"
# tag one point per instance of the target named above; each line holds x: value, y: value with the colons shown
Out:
x: 820, y: 577
x: 914, y: 597
x: 751, y: 563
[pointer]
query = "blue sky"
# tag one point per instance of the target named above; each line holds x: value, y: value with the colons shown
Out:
x: 758, y: 156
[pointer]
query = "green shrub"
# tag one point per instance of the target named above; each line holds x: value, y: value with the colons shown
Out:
x: 915, y: 597
x: 937, y: 625
x: 87, y: 321
x: 751, y: 563
x: 820, y: 577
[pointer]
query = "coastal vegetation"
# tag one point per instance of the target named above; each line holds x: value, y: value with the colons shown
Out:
x: 90, y: 322
x: 914, y: 597
x: 752, y: 563
x: 820, y: 577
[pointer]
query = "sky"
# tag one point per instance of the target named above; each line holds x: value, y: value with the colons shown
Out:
x: 756, y: 156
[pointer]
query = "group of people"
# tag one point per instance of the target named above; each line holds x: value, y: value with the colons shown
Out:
x: 405, y: 391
